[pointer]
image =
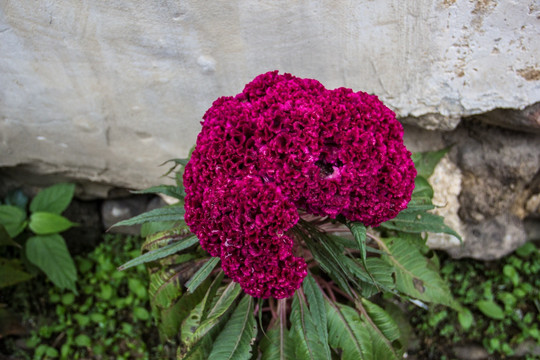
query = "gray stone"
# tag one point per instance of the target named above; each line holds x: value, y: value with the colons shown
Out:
x: 115, y: 210
x: 470, y: 352
x: 491, y: 239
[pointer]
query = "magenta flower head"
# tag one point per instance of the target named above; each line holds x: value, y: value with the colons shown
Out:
x: 286, y: 144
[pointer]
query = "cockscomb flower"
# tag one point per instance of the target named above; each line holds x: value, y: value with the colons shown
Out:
x: 286, y: 144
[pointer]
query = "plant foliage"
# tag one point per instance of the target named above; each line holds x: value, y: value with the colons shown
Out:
x: 37, y: 235
x: 335, y: 314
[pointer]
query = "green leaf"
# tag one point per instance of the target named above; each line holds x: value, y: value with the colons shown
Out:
x: 465, y: 318
x: 151, y: 228
x: 360, y: 235
x: 13, y: 219
x: 11, y: 273
x: 161, y: 252
x: 348, y: 333
x: 170, y: 317
x: 418, y: 222
x: 216, y: 316
x: 305, y: 333
x: 44, y: 223
x: 234, y: 341
x: 276, y: 345
x: 173, y: 213
x: 414, y: 276
x: 169, y: 190
x: 202, y: 274
x: 5, y: 239
x: 384, y: 332
x: 425, y: 162
x: 490, y: 309
x: 50, y: 254
x: 166, y: 237
x: 83, y: 340
x: 54, y: 199
x: 317, y: 308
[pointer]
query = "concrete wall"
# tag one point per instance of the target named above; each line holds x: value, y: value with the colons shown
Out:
x: 106, y: 90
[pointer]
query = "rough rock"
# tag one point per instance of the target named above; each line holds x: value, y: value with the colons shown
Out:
x: 470, y: 352
x: 89, y: 231
x: 500, y: 170
x: 115, y: 210
x: 105, y: 91
x: 527, y: 119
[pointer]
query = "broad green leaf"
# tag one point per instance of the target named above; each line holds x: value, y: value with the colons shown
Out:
x: 161, y: 252
x: 5, y: 239
x: 414, y: 276
x: 50, y: 254
x: 419, y: 222
x: 305, y: 333
x: 422, y: 188
x: 202, y: 274
x: 234, y: 341
x: 348, y: 333
x: 276, y: 345
x: 177, y: 162
x: 54, y: 199
x: 169, y: 190
x: 317, y: 308
x: 44, y: 223
x: 11, y: 273
x: 379, y: 277
x: 384, y: 332
x: 13, y: 219
x: 490, y: 309
x: 465, y: 318
x: 425, y: 162
x: 173, y: 213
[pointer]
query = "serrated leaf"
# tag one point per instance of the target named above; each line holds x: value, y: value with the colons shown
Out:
x: 380, y: 319
x: 166, y: 237
x: 169, y: 190
x: 161, y: 252
x: 347, y: 333
x: 44, y: 223
x: 13, y: 219
x: 414, y: 276
x: 173, y: 213
x: 327, y: 253
x: 490, y: 309
x: 202, y: 274
x: 425, y: 162
x: 170, y: 318
x: 50, y: 254
x: 304, y: 332
x: 234, y: 341
x: 379, y: 277
x: 422, y: 188
x: 11, y: 273
x: 54, y: 199
x: 221, y: 306
x: 276, y: 345
x: 419, y: 222
x: 152, y: 228
x: 359, y: 232
x: 317, y: 308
